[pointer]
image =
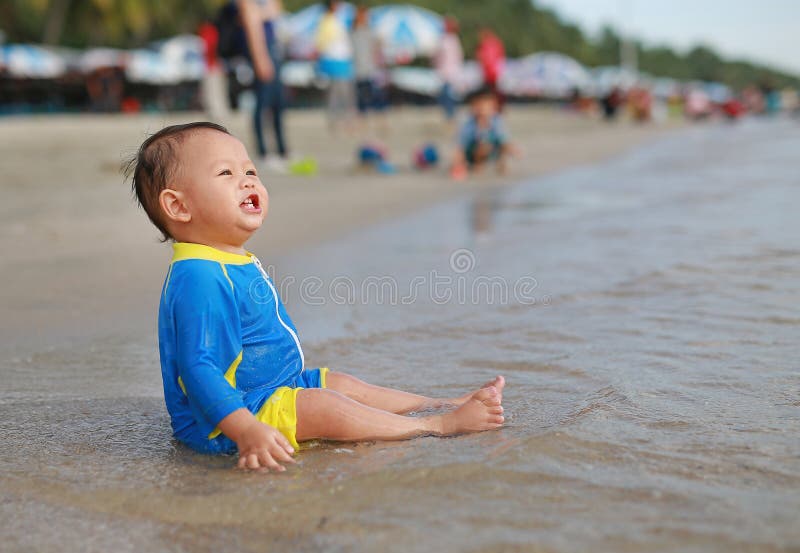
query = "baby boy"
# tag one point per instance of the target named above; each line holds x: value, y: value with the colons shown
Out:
x: 231, y: 361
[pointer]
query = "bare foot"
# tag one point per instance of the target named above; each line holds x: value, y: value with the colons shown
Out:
x: 482, y: 411
x: 499, y: 383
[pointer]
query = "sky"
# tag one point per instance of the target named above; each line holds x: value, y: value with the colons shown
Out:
x: 765, y: 31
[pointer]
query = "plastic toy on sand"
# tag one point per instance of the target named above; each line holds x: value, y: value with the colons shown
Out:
x: 425, y: 157
x: 305, y: 167
x: 374, y: 156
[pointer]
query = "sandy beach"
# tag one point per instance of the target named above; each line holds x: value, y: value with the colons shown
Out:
x: 79, y: 256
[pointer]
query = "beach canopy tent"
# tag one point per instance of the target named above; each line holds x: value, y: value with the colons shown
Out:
x: 171, y: 61
x: 98, y: 58
x: 299, y: 74
x: 664, y: 88
x: 299, y: 29
x: 419, y: 80
x: 718, y: 93
x: 405, y: 31
x: 544, y: 74
x: 27, y: 61
x: 605, y: 78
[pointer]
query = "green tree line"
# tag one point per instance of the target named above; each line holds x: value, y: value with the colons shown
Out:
x: 524, y: 26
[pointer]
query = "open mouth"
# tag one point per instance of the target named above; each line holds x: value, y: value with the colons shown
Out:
x: 251, y: 203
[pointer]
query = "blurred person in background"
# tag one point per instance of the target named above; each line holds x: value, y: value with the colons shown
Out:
x: 368, y: 62
x: 483, y: 137
x: 258, y: 20
x: 640, y: 102
x: 335, y: 63
x: 611, y: 103
x: 449, y: 61
x: 105, y: 86
x: 491, y: 54
x: 213, y: 86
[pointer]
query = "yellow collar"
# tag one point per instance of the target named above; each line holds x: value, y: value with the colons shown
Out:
x: 187, y: 250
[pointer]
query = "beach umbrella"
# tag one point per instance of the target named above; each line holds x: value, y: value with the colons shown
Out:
x: 665, y: 88
x: 32, y: 62
x: 607, y: 77
x: 300, y: 73
x: 97, y: 58
x: 419, y: 80
x: 170, y: 61
x: 300, y: 28
x: 406, y: 31
x: 717, y: 92
x: 548, y: 74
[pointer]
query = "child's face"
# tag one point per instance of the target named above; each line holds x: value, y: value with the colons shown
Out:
x: 484, y: 107
x: 221, y: 191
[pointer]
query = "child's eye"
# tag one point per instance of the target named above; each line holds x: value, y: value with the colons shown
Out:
x: 251, y: 172
x: 225, y: 172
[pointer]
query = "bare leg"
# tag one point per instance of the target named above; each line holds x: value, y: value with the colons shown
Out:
x: 396, y: 401
x: 327, y: 414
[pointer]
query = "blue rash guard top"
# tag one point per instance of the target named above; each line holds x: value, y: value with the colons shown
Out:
x: 225, y: 341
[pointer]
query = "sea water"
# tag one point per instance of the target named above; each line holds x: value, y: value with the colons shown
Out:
x: 644, y: 312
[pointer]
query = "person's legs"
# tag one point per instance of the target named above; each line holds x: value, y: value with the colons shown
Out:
x: 261, y: 90
x: 327, y: 414
x: 333, y: 99
x: 277, y: 105
x: 363, y: 96
x: 447, y: 101
x: 396, y: 401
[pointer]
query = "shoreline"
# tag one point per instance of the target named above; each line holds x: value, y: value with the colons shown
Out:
x: 90, y: 262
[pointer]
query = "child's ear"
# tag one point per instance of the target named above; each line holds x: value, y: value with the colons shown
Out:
x: 174, y: 206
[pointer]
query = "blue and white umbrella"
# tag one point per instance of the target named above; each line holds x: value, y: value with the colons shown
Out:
x: 171, y: 61
x: 407, y: 31
x: 32, y: 62
x: 300, y: 28
x: 546, y: 74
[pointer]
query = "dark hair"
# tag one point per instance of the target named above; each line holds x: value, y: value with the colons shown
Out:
x: 482, y: 92
x: 153, y: 166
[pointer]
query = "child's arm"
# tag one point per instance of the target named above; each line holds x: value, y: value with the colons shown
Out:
x: 260, y: 445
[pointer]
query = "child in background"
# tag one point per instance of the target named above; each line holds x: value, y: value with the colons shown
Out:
x: 482, y: 138
x: 232, y: 366
x: 335, y: 62
x: 449, y: 62
x: 368, y: 61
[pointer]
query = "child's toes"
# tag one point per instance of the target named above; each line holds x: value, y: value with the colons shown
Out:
x: 487, y: 396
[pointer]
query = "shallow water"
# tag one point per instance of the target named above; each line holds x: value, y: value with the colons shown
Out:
x: 648, y: 333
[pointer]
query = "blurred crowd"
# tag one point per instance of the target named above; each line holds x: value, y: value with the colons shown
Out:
x: 357, y: 62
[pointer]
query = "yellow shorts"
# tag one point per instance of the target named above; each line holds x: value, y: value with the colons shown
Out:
x: 280, y: 409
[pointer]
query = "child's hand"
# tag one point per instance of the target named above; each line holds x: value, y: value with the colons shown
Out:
x: 262, y: 446
x: 458, y: 172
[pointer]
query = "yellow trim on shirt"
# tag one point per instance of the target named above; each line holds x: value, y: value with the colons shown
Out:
x: 187, y: 250
x: 225, y: 272
x: 230, y: 376
x: 166, y: 284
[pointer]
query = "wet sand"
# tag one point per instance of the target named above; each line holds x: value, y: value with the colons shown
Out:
x: 652, y: 396
x: 78, y: 257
